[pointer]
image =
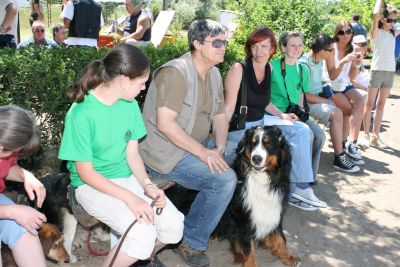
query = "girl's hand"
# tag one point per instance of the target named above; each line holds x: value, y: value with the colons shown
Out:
x: 157, y: 194
x: 34, y: 187
x: 290, y: 117
x: 141, y: 209
x: 27, y: 217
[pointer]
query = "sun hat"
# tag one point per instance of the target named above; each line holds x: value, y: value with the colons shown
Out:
x: 359, y: 39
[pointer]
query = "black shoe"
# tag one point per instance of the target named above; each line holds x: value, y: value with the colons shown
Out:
x: 343, y: 164
x: 192, y: 256
x: 155, y: 262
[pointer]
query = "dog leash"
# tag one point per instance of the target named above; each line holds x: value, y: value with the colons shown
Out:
x: 158, y: 212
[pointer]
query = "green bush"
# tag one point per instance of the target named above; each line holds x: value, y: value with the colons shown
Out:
x: 37, y: 79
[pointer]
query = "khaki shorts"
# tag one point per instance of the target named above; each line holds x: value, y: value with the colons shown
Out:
x: 381, y: 79
x: 140, y: 241
x: 322, y: 113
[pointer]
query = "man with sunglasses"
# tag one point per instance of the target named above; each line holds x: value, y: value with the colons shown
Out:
x: 38, y: 31
x: 184, y: 103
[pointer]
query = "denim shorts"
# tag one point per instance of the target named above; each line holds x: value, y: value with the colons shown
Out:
x: 327, y: 92
x: 10, y: 231
x: 348, y: 88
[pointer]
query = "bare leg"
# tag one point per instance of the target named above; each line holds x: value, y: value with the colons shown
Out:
x: 336, y: 131
x: 380, y: 106
x: 357, y: 103
x: 368, y: 108
x: 28, y: 252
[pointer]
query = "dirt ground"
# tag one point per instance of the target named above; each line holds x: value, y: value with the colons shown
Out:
x: 361, y: 226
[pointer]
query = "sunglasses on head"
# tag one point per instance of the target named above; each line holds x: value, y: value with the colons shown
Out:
x: 217, y: 43
x: 39, y: 30
x: 389, y: 20
x: 342, y: 32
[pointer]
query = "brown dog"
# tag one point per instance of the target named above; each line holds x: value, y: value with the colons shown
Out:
x: 52, y: 243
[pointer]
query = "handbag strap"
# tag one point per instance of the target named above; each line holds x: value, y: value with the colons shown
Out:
x: 283, y: 71
x: 243, y: 98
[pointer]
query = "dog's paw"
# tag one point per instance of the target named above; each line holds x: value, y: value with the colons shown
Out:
x: 292, y: 261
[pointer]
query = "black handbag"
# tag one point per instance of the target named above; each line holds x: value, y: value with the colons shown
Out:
x: 238, y: 121
x: 302, y: 114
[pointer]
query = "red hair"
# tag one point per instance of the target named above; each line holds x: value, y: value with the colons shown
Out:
x: 257, y: 36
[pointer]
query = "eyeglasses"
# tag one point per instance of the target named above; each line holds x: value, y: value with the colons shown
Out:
x: 342, y: 32
x: 389, y: 20
x: 362, y: 44
x: 39, y: 30
x: 217, y: 43
x: 328, y: 50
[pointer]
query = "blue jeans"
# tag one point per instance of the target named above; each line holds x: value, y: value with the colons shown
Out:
x: 318, y: 140
x: 215, y: 192
x: 7, y: 40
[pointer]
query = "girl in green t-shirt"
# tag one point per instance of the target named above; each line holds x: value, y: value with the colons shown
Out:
x: 100, y: 142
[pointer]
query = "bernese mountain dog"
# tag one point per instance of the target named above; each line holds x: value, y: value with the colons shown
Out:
x: 254, y: 215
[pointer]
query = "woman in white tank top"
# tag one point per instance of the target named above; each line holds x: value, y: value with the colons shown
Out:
x: 383, y: 68
x: 343, y: 63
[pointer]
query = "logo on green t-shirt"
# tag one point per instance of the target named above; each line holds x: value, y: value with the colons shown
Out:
x: 128, y: 136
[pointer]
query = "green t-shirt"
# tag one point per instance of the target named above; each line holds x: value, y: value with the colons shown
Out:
x: 294, y: 83
x: 98, y: 133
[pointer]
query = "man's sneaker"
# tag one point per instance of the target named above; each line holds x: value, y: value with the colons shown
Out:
x: 301, y: 204
x: 192, y: 256
x: 359, y: 162
x: 307, y: 195
x: 343, y: 164
x: 155, y: 262
x: 364, y: 143
x: 377, y: 142
x: 351, y: 150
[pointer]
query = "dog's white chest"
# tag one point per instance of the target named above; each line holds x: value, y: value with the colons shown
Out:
x: 264, y: 204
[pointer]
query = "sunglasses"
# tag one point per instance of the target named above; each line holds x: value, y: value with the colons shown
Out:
x: 342, y: 32
x: 217, y: 43
x: 389, y: 20
x: 39, y: 30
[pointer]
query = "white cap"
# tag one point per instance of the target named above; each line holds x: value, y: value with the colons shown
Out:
x: 359, y: 39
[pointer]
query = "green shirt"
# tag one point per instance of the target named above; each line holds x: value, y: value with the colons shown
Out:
x: 98, y: 133
x: 294, y: 83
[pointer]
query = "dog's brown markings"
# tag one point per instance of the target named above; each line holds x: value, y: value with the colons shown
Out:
x: 247, y: 152
x: 52, y: 243
x: 278, y: 248
x: 271, y: 162
x: 241, y: 257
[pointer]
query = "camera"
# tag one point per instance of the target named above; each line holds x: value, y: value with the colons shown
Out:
x: 301, y: 114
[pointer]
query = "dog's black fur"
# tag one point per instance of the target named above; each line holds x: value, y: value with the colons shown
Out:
x: 238, y: 223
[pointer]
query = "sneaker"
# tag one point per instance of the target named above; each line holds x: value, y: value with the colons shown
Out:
x: 155, y: 262
x: 301, y: 204
x: 343, y: 164
x: 192, y: 256
x: 351, y: 149
x: 377, y: 142
x: 307, y: 195
x: 364, y: 143
x: 359, y: 162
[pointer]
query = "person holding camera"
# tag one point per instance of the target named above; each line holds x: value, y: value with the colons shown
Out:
x: 253, y: 77
x: 340, y: 66
x: 321, y: 105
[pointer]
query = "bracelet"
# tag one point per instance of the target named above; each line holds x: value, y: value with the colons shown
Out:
x: 145, y: 187
x: 220, y: 149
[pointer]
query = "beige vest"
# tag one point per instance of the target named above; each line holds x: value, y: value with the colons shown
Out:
x: 156, y: 150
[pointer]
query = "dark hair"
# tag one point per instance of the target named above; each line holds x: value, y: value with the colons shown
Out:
x: 386, y: 13
x: 321, y: 42
x: 356, y: 17
x: 18, y: 130
x: 56, y: 29
x: 260, y: 35
x: 284, y: 38
x: 201, y: 28
x: 125, y: 60
x: 335, y: 37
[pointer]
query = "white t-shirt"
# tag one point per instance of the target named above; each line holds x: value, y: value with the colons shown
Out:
x: 68, y: 13
x: 383, y: 51
x: 14, y: 25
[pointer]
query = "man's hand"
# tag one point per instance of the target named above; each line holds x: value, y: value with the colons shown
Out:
x: 214, y: 160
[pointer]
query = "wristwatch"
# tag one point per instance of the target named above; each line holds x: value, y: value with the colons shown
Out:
x: 220, y: 149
